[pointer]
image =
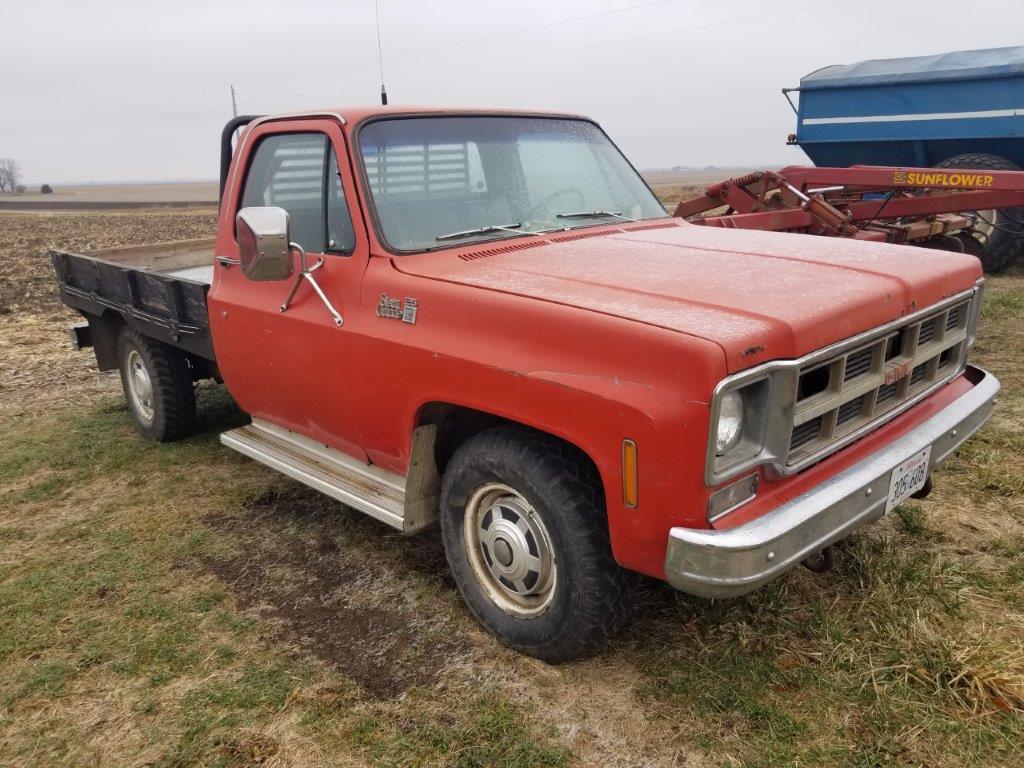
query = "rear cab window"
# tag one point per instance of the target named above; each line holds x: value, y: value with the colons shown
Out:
x: 299, y: 172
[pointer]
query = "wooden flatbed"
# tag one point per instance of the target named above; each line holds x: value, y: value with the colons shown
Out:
x: 158, y: 290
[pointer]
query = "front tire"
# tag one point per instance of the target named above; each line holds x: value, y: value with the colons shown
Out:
x: 157, y: 384
x: 526, y: 536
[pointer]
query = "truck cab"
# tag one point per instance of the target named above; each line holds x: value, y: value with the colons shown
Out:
x: 486, y: 320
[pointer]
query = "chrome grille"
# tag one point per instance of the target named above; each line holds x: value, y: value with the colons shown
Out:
x: 806, y: 409
x: 886, y: 393
x: 850, y: 410
x: 859, y: 386
x: 927, y: 331
x: 857, y: 364
x: 805, y: 433
x: 954, y: 317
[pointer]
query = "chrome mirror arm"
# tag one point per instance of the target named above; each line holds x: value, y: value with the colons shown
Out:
x: 305, y: 273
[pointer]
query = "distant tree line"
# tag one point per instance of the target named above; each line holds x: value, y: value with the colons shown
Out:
x: 10, y: 175
x: 10, y: 178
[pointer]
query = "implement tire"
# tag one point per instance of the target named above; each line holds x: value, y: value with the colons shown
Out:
x: 999, y: 232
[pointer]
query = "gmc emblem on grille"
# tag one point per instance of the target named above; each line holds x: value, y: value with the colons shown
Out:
x: 897, y: 372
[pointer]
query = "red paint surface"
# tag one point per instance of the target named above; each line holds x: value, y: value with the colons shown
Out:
x: 623, y: 333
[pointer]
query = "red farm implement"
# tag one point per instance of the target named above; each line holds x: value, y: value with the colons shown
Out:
x: 951, y: 208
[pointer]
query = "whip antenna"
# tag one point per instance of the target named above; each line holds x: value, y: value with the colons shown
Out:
x: 380, y: 55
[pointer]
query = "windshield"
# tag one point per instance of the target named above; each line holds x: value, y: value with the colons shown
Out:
x: 439, y: 181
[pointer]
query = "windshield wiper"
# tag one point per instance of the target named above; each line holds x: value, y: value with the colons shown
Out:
x: 586, y: 214
x: 483, y: 231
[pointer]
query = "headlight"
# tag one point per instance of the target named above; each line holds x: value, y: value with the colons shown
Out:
x: 737, y: 435
x: 730, y: 422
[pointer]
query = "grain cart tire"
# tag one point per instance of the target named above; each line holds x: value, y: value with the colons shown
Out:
x: 158, y: 387
x: 526, y: 536
x: 1000, y: 232
x: 971, y: 244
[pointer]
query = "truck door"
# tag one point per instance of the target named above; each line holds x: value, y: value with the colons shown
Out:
x: 290, y: 367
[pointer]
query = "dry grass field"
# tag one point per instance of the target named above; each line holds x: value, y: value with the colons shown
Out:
x: 199, y: 192
x: 174, y: 605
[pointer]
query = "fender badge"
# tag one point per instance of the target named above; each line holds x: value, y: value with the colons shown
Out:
x: 397, y: 310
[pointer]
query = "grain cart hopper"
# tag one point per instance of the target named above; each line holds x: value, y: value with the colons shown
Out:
x: 950, y: 130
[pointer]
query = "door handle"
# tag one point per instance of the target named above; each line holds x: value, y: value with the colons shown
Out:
x: 227, y: 261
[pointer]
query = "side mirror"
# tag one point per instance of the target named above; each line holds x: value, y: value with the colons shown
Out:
x: 264, y: 234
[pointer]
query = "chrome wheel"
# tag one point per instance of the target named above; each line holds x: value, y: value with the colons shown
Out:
x: 140, y: 386
x: 510, y: 550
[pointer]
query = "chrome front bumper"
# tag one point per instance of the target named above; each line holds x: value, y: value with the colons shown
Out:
x: 732, y: 562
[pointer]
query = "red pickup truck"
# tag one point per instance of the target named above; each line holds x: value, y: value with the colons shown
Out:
x: 486, y: 319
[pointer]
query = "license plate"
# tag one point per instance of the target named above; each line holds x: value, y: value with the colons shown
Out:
x: 907, y: 479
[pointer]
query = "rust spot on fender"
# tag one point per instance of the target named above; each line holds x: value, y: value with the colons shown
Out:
x: 752, y: 350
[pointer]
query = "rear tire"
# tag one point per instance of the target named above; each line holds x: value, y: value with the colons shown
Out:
x: 157, y: 384
x: 1000, y: 234
x: 526, y: 536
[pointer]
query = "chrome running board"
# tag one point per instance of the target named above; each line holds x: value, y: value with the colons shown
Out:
x: 370, y: 489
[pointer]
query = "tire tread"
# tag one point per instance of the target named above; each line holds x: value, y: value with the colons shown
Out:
x: 1003, y: 248
x: 173, y: 393
x: 574, y: 482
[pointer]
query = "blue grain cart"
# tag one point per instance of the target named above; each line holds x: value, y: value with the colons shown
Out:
x: 955, y: 110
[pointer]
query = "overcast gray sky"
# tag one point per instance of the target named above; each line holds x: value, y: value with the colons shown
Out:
x: 110, y: 90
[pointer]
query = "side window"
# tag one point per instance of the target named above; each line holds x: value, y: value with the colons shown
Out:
x: 299, y: 172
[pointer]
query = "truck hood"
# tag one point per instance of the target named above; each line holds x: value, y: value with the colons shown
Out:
x: 759, y: 295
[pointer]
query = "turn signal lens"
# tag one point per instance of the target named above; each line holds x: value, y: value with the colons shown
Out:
x: 725, y: 500
x: 629, y: 475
